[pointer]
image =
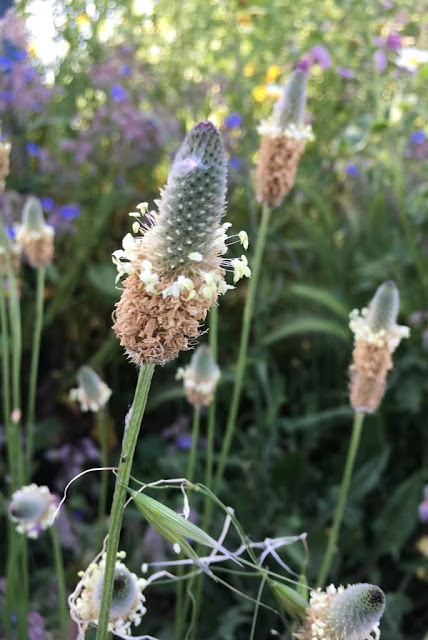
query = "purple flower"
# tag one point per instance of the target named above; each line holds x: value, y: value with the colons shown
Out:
x: 184, y: 442
x: 36, y: 626
x: 233, y: 120
x: 7, y: 96
x: 418, y: 137
x: 118, y: 93
x: 33, y: 149
x: 423, y: 507
x: 345, y: 73
x: 380, y: 60
x: 69, y: 211
x: 126, y: 70
x: 304, y: 64
x: 320, y: 55
x: 351, y: 170
x: 48, y: 204
x: 393, y: 41
x: 234, y: 162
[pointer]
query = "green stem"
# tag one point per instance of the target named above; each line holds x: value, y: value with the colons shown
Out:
x: 102, y: 435
x: 6, y: 384
x: 194, y: 447
x: 340, y: 507
x: 213, y: 335
x: 31, y: 407
x: 243, y: 347
x: 59, y: 569
x: 129, y: 443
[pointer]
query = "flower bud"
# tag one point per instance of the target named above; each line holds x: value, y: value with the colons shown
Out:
x: 127, y: 605
x: 353, y: 613
x: 32, y: 508
x: 200, y: 377
x: 283, y: 141
x: 92, y: 393
x: 376, y: 337
x: 175, y: 269
x: 5, y: 148
x: 35, y: 236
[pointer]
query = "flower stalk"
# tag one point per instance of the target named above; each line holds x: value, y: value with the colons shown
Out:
x: 59, y: 570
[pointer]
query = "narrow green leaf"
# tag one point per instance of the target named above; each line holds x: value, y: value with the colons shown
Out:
x: 321, y: 296
x: 307, y: 324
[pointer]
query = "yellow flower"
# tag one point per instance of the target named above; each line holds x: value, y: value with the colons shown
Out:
x: 244, y: 19
x: 273, y: 73
x: 82, y: 20
x: 248, y: 70
x: 31, y: 50
x: 259, y: 93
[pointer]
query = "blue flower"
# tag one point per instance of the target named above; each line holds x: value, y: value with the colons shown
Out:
x: 118, y: 93
x: 418, y: 137
x: 10, y: 232
x: 20, y: 54
x: 7, y: 96
x: 69, y: 211
x: 233, y: 120
x: 234, y: 162
x: 352, y: 170
x: 184, y: 442
x: 126, y: 70
x: 48, y: 204
x: 33, y: 149
x: 6, y: 63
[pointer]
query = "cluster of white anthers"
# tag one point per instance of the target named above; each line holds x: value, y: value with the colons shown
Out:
x: 132, y: 259
x: 320, y: 605
x: 360, y: 326
x: 33, y: 508
x: 91, y: 401
x: 274, y: 130
x: 127, y: 605
x: 25, y: 234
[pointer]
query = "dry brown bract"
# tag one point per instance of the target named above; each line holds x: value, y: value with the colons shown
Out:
x: 154, y: 329
x: 276, y: 171
x: 368, y: 373
x: 39, y: 251
x: 4, y: 163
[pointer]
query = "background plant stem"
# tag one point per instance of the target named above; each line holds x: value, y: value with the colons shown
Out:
x: 129, y: 443
x: 102, y: 435
x: 340, y: 507
x: 31, y: 407
x: 59, y: 569
x: 243, y: 346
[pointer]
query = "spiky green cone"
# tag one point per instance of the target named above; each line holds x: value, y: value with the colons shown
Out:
x: 32, y: 215
x: 194, y: 198
x: 384, y: 307
x: 290, y: 108
x: 203, y: 364
x: 356, y: 610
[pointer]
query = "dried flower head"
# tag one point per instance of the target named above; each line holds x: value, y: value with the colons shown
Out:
x: 344, y: 614
x: 5, y: 148
x: 283, y: 141
x: 127, y: 605
x: 175, y: 267
x: 32, y: 508
x: 92, y: 393
x: 200, y: 377
x: 377, y: 335
x: 9, y: 247
x: 35, y: 236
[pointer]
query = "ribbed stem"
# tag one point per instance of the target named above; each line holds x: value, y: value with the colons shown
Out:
x: 129, y: 443
x: 59, y: 570
x: 6, y: 383
x: 102, y: 435
x: 194, y: 447
x: 37, y: 332
x: 340, y: 507
x: 243, y: 346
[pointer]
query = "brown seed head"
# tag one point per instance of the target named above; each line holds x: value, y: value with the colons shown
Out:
x: 276, y: 171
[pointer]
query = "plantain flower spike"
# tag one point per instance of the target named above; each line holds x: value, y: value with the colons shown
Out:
x: 92, y: 393
x: 353, y: 613
x: 32, y: 508
x: 127, y: 605
x: 5, y: 148
x: 35, y: 236
x: 9, y: 247
x: 174, y: 265
x: 200, y: 377
x: 283, y: 141
x: 377, y: 335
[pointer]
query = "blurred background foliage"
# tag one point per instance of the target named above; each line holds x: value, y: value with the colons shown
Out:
x: 94, y: 127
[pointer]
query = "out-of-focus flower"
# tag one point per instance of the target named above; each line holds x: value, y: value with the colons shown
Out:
x: 248, y: 70
x: 351, y: 170
x: 353, y: 613
x: 126, y: 70
x: 69, y: 211
x: 33, y: 149
x: 391, y: 42
x: 92, y: 393
x: 380, y: 60
x: 200, y: 377
x: 418, y: 137
x: 234, y: 163
x: 422, y: 546
x: 345, y: 73
x: 36, y: 626
x: 32, y: 508
x: 233, y: 120
x: 73, y: 458
x: 8, y: 246
x: 48, y: 204
x: 411, y: 58
x: 127, y: 605
x: 319, y: 55
x: 5, y: 148
x: 273, y: 73
x: 259, y: 93
x: 118, y: 93
x: 423, y: 507
x: 377, y: 335
x: 35, y: 236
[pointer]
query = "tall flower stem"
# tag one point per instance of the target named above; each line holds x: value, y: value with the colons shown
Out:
x: 6, y: 383
x: 129, y: 443
x: 102, y: 435
x: 344, y: 489
x: 213, y: 336
x: 194, y: 447
x: 59, y: 569
x: 37, y: 332
x: 243, y: 347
